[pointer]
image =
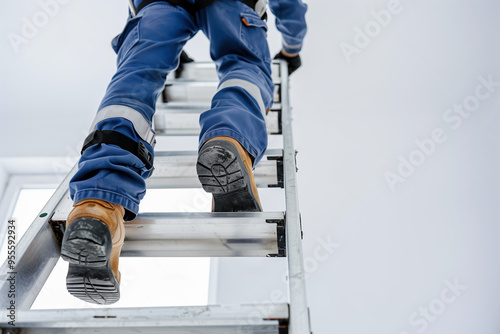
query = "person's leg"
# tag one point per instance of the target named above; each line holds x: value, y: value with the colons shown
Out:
x: 239, y: 48
x: 148, y: 49
x: 233, y: 134
x: 110, y: 180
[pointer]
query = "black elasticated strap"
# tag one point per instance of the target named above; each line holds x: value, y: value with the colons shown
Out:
x: 191, y: 8
x: 249, y: 3
x: 115, y: 138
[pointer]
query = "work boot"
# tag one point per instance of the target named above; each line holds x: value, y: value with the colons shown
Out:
x: 224, y: 168
x: 92, y: 244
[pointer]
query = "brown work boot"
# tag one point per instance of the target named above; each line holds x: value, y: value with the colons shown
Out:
x: 92, y: 244
x: 224, y: 168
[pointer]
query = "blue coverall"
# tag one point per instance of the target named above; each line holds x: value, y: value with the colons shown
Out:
x: 148, y: 49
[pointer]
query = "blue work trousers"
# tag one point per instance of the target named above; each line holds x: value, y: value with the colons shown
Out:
x: 148, y: 49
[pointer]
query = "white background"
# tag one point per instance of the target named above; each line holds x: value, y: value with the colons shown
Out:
x: 394, y: 249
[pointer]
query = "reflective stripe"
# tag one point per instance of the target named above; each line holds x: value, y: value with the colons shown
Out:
x: 141, y: 125
x: 249, y: 87
x: 296, y: 46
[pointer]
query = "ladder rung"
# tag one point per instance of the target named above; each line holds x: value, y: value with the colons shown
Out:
x: 199, y: 83
x: 212, y: 319
x: 176, y: 169
x: 270, y: 327
x: 201, y: 234
x: 203, y: 82
x: 182, y: 118
x: 205, y: 71
x: 197, y: 92
x: 194, y: 107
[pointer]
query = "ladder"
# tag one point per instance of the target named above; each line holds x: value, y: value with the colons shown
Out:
x: 246, y: 234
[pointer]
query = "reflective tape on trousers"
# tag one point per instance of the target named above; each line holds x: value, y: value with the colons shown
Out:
x: 252, y: 89
x: 141, y: 125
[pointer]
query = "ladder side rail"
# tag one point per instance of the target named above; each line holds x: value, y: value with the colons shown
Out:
x: 36, y: 254
x: 299, y: 313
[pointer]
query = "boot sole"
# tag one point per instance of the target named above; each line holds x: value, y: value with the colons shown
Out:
x: 87, y: 247
x: 222, y: 173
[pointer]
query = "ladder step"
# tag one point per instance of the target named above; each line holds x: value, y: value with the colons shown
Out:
x: 177, y: 169
x: 270, y: 327
x: 181, y: 118
x: 205, y: 71
x: 201, y: 234
x: 211, y: 319
x: 198, y: 91
x: 196, y: 107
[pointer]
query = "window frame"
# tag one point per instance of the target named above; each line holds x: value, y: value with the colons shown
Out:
x: 14, y: 185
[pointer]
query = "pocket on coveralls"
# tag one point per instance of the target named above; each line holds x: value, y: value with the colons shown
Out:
x: 254, y: 34
x: 127, y: 38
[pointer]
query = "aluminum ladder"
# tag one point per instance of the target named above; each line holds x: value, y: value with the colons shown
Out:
x: 178, y: 234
